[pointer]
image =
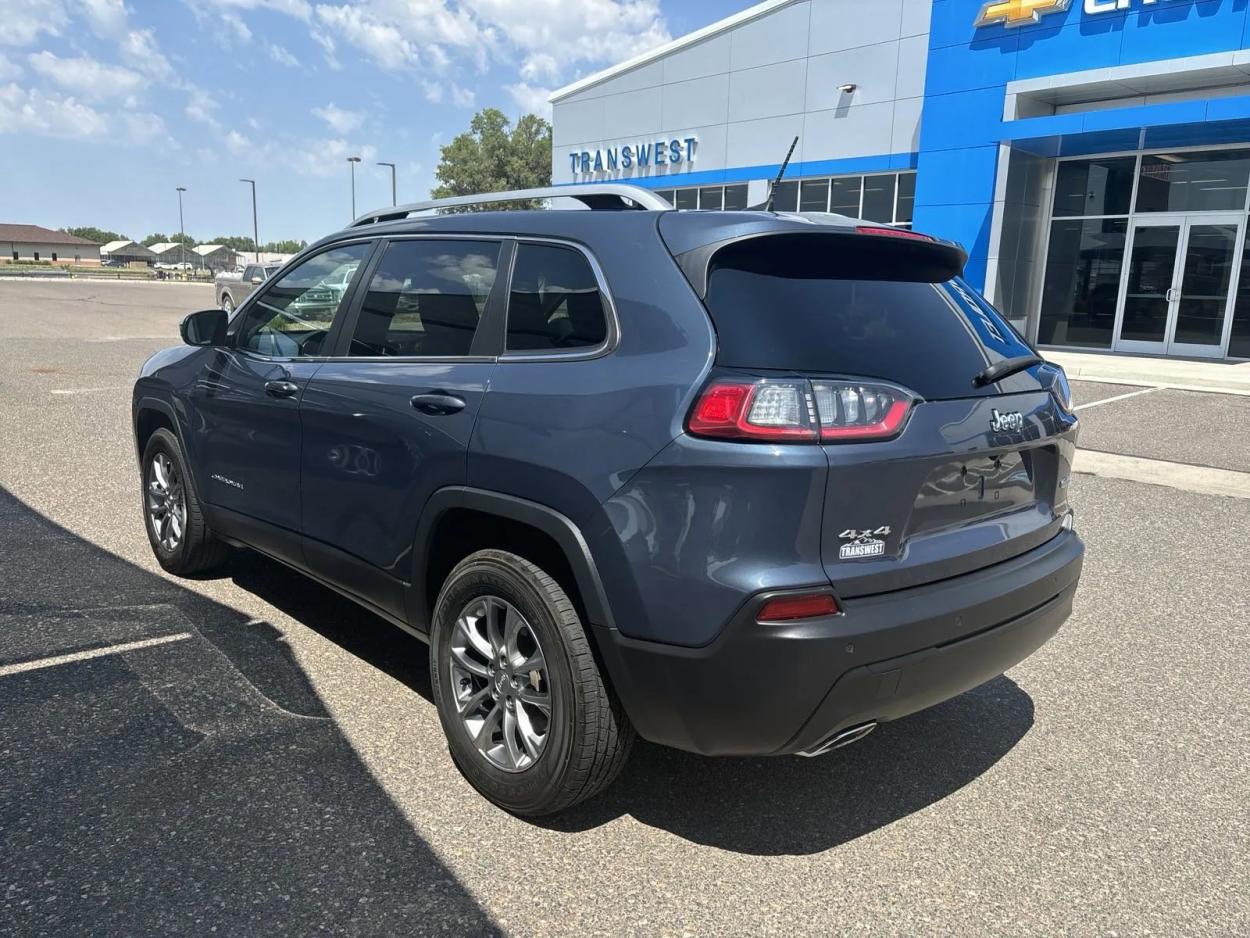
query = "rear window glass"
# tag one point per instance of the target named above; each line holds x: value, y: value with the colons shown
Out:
x: 810, y: 304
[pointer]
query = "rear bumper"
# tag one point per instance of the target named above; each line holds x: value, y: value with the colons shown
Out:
x: 778, y: 689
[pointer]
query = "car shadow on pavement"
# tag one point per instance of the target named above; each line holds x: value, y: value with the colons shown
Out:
x: 180, y: 788
x: 786, y: 805
x: 789, y: 805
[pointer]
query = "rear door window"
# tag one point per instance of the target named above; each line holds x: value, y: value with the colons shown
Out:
x: 426, y: 298
x: 554, y: 303
x: 804, y: 303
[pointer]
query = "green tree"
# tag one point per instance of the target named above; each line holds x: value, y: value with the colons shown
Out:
x: 494, y: 156
x: 240, y: 243
x: 290, y: 246
x: 157, y: 238
x: 98, y: 235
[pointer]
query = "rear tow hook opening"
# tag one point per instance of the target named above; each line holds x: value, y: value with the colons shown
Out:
x: 838, y: 740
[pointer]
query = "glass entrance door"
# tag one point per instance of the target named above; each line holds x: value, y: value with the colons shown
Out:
x: 1178, y: 285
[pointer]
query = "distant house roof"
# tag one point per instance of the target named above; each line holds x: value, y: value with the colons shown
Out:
x: 34, y: 234
x: 206, y: 249
x: 128, y: 248
x: 164, y: 247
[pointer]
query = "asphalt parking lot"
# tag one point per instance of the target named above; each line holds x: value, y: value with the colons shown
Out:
x: 266, y: 759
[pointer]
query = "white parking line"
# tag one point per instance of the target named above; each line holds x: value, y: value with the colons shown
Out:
x: 115, y: 387
x: 1120, y: 397
x: 57, y: 660
x: 1204, y: 480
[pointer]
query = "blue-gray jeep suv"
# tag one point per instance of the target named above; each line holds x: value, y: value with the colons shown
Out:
x: 742, y: 483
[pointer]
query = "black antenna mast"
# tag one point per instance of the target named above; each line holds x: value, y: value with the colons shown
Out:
x: 772, y: 193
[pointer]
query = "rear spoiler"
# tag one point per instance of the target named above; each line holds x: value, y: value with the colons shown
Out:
x: 860, y: 250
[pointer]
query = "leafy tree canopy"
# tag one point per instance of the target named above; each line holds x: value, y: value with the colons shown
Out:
x: 98, y: 235
x: 494, y: 156
x: 157, y: 238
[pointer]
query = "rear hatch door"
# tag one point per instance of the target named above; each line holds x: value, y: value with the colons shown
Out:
x: 978, y: 472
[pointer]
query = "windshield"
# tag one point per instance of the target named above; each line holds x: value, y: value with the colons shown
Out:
x: 788, y: 303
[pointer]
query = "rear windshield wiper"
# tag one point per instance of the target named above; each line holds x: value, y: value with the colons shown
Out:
x: 1000, y: 370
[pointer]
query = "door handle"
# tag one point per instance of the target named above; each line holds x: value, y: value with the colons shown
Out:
x: 281, y: 388
x: 438, y: 403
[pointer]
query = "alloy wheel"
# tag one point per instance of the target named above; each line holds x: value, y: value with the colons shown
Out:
x: 167, y: 505
x: 499, y: 679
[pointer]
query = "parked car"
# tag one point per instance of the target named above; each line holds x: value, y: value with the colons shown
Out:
x: 743, y: 483
x: 233, y: 287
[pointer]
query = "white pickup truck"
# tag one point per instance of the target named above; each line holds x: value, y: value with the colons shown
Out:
x: 234, y: 287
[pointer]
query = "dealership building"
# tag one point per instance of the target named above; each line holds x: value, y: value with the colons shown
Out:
x: 1093, y: 156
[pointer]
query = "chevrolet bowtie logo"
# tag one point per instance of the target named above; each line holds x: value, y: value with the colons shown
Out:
x: 1019, y: 12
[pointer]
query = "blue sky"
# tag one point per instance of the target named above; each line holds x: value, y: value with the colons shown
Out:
x: 107, y: 105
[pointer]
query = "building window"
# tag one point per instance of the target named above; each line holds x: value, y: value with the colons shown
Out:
x: 1082, y: 282
x: 54, y: 255
x: 1193, y: 182
x: 15, y: 255
x: 36, y: 255
x: 1085, y: 188
x: 712, y: 198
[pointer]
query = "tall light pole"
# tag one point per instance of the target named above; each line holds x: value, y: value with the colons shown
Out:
x: 182, y: 231
x: 255, y: 230
x: 393, y: 199
x: 353, y: 160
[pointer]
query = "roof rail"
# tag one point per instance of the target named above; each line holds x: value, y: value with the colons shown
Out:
x: 600, y: 196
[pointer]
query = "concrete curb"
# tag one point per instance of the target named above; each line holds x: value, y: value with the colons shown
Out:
x: 1203, y: 480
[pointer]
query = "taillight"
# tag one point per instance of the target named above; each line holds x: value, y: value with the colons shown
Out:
x: 787, y: 608
x: 798, y: 410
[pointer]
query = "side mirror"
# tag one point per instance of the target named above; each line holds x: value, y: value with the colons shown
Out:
x: 207, y: 327
x: 258, y: 280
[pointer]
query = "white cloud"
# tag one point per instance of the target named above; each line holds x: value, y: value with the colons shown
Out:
x: 462, y: 97
x: 432, y: 90
x: 531, y: 99
x: 31, y: 111
x: 540, y: 65
x: 142, y: 127
x: 282, y: 55
x: 340, y: 120
x: 8, y: 69
x: 327, y: 44
x: 329, y: 157
x: 107, y: 18
x: 202, y: 109
x: 382, y: 42
x: 235, y: 24
x: 300, y: 9
x: 22, y: 21
x: 140, y: 51
x: 238, y: 144
x: 91, y: 79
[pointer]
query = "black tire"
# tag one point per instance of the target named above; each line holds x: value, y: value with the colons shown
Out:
x: 588, y: 735
x: 227, y: 303
x: 197, y: 550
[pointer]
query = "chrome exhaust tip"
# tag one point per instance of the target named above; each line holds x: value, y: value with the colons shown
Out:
x: 838, y: 740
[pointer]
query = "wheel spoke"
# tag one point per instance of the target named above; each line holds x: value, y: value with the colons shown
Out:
x: 487, y: 729
x: 513, y: 623
x: 532, y: 741
x: 535, y: 662
x: 494, y: 611
x: 510, y: 737
x: 468, y: 627
x: 472, y: 702
x: 158, y: 470
x: 462, y: 660
x: 175, y: 525
x: 533, y: 698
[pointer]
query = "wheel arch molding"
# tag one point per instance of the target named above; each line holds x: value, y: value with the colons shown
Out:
x: 559, y: 528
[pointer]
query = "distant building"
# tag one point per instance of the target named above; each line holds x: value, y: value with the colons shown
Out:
x: 172, y: 252
x: 127, y: 253
x: 33, y: 243
x: 217, y: 257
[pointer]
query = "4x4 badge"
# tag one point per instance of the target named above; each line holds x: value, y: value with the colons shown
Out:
x: 863, y: 543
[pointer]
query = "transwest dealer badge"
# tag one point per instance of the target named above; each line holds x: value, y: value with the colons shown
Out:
x: 863, y: 543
